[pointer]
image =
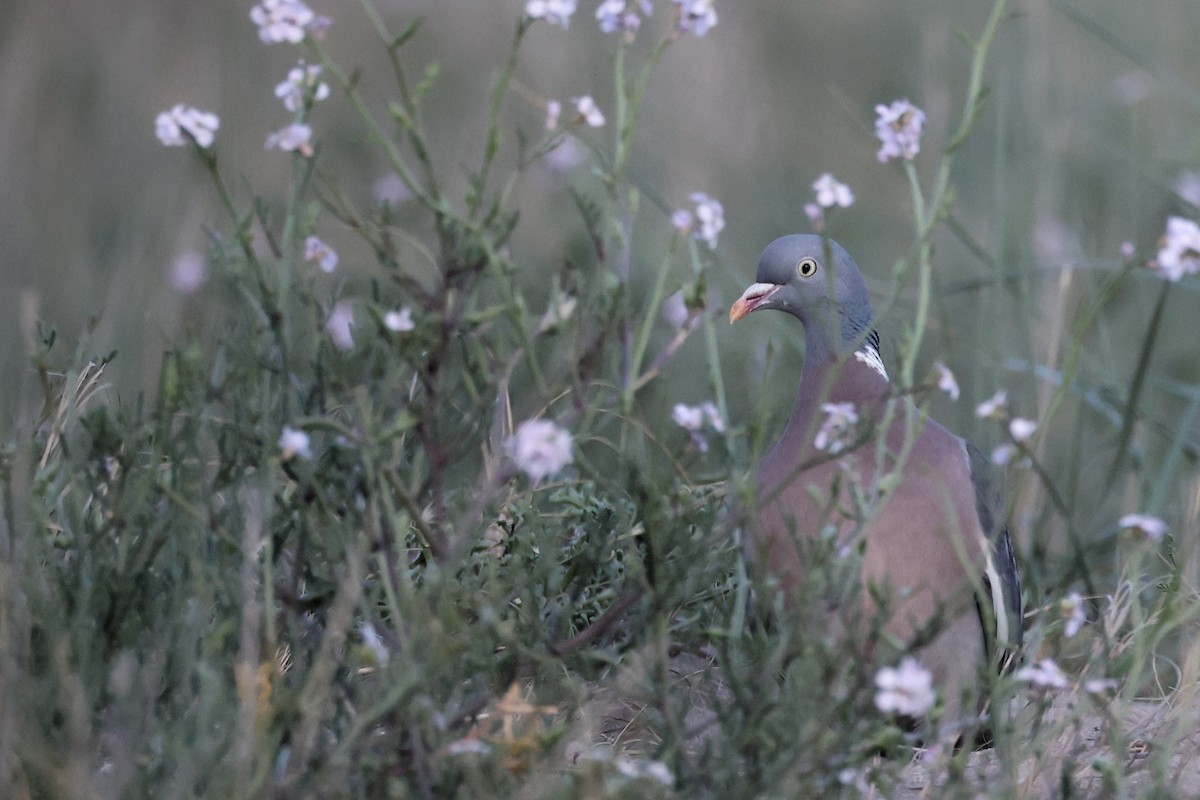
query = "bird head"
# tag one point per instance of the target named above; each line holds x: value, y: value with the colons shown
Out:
x: 815, y: 280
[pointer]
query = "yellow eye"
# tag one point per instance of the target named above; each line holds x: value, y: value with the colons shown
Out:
x: 807, y: 267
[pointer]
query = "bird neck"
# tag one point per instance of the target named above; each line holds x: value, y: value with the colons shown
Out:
x: 858, y: 377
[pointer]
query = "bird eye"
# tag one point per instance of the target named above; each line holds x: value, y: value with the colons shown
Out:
x: 807, y: 267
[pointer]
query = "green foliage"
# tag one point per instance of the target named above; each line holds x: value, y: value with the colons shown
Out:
x: 190, y: 608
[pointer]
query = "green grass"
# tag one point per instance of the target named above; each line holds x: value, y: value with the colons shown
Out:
x: 187, y: 611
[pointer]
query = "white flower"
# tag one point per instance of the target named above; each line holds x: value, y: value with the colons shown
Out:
x: 946, y: 381
x: 832, y: 192
x: 840, y: 419
x: 399, y: 321
x: 567, y: 156
x: 553, y: 110
x: 683, y: 220
x: 374, y: 643
x: 589, y: 111
x: 188, y: 272
x: 1099, y: 685
x: 1128, y: 250
x: 1147, y: 525
x: 636, y: 768
x: 1187, y: 186
x: 323, y: 254
x: 201, y: 126
x: 690, y: 418
x: 1179, y: 250
x: 898, y: 127
x: 339, y: 325
x: 557, y: 12
x: 675, y: 310
x: 710, y: 218
x: 816, y: 215
x: 906, y: 689
x: 561, y: 307
x: 1070, y: 608
x: 1004, y: 454
x: 1022, y: 429
x: 696, y: 17
x: 294, y: 137
x: 620, y: 15
x: 294, y: 443
x: 540, y: 448
x: 390, y: 189
x: 714, y: 416
x: 282, y: 20
x: 1045, y: 675
x: 303, y: 81
x: 995, y: 407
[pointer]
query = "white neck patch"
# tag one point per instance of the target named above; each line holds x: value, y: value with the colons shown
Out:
x: 870, y: 356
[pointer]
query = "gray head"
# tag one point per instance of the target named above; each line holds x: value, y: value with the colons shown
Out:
x: 815, y: 280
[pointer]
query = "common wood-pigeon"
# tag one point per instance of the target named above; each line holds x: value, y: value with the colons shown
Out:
x: 934, y: 539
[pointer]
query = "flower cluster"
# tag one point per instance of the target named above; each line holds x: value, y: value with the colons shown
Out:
x: 1179, y: 250
x: 830, y: 192
x: 302, y: 87
x: 706, y: 223
x: 540, y: 448
x: 200, y: 126
x: 898, y: 127
x: 1145, y: 525
x: 1020, y: 429
x: 622, y: 15
x: 588, y: 111
x: 837, y: 428
x: 556, y: 12
x: 294, y: 444
x: 316, y: 250
x: 296, y: 137
x: 694, y: 419
x: 946, y: 380
x: 399, y: 320
x: 906, y: 689
x: 1070, y: 608
x: 284, y: 20
x: 696, y: 17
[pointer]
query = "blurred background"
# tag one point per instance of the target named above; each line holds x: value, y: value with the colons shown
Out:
x: 1090, y: 133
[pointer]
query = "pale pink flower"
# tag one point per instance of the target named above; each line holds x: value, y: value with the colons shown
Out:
x: 832, y: 192
x: 188, y: 272
x: 1022, y: 429
x: 588, y: 111
x: 282, y: 20
x: 1004, y: 454
x: 316, y: 250
x: 390, y: 189
x: 622, y: 15
x: 946, y: 381
x: 1149, y: 526
x: 200, y: 126
x: 696, y: 17
x: 710, y: 219
x: 339, y: 325
x: 1179, y: 249
x: 906, y: 689
x: 816, y: 215
x: 995, y: 407
x: 838, y: 425
x: 553, y: 111
x: 540, y: 449
x: 1045, y: 674
x: 303, y: 84
x: 556, y: 12
x: 898, y: 127
x: 296, y: 137
x: 399, y: 320
x: 690, y: 418
x: 1070, y: 608
x: 294, y: 444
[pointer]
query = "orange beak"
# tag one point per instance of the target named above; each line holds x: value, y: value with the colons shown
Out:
x: 751, y: 299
